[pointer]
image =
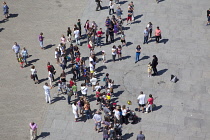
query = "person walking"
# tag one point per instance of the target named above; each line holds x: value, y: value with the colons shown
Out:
x: 114, y: 52
x: 150, y: 103
x: 41, y: 40
x: 69, y: 34
x: 87, y: 110
x: 79, y: 27
x: 149, y: 27
x: 158, y: 34
x: 146, y: 34
x: 16, y: 49
x: 51, y: 69
x: 98, y: 3
x: 130, y: 14
x: 141, y: 101
x: 111, y: 33
x: 24, y: 54
x: 111, y: 8
x: 123, y: 39
x: 47, y: 92
x: 98, y: 119
x: 34, y: 75
x: 5, y: 10
x: 33, y: 130
x: 140, y: 136
x: 138, y: 52
x: 75, y: 111
x: 154, y: 64
x: 107, y: 35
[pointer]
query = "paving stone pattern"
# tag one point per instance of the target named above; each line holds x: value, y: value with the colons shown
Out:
x: 182, y: 111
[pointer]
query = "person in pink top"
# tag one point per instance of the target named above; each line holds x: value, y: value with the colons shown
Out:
x: 150, y: 103
x: 158, y: 34
x: 33, y: 131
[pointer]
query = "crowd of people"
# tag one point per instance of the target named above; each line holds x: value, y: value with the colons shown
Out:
x: 68, y: 51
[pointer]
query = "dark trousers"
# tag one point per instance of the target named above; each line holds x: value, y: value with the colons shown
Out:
x: 124, y: 119
x: 35, y: 77
x: 110, y: 11
x: 113, y: 57
x: 150, y: 33
x: 107, y: 38
x: 145, y: 39
x: 157, y: 39
x: 112, y: 38
x: 78, y: 74
x: 154, y: 70
x: 98, y: 5
x: 69, y: 99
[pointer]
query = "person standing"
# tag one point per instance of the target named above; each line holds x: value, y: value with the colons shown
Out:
x: 149, y: 66
x: 98, y: 3
x: 24, y: 54
x: 107, y: 35
x: 106, y: 80
x: 33, y: 130
x: 114, y: 52
x: 149, y: 27
x: 105, y: 133
x: 140, y: 136
x: 119, y: 12
x: 34, y: 75
x: 97, y: 118
x: 79, y: 27
x: 93, y: 81
x: 75, y: 111
x: 130, y: 14
x: 51, y: 69
x: 208, y: 17
x: 138, y: 52
x: 47, y: 92
x: 158, y: 34
x: 111, y: 33
x: 150, y: 103
x: 119, y: 52
x: 69, y: 34
x: 41, y: 40
x: 146, y: 34
x: 99, y: 36
x: 154, y: 64
x: 84, y: 89
x: 111, y: 8
x: 16, y: 49
x: 5, y: 10
x: 77, y: 36
x: 141, y: 101
x: 87, y: 110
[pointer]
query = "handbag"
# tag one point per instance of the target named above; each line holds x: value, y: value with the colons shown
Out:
x: 32, y: 76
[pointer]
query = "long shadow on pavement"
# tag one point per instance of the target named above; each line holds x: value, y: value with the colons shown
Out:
x: 162, y: 71
x: 43, y: 135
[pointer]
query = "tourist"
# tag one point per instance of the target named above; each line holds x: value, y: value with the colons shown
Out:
x: 158, y: 34
x: 75, y: 111
x: 138, y: 52
x: 149, y: 27
x: 98, y: 3
x: 93, y: 81
x: 208, y: 17
x: 79, y: 27
x: 141, y: 101
x: 47, y: 92
x: 123, y: 39
x: 146, y: 34
x: 99, y: 36
x: 105, y: 133
x: 98, y: 119
x: 87, y: 110
x: 150, y: 103
x: 84, y: 89
x: 34, y: 75
x: 41, y: 40
x: 154, y: 65
x: 16, y: 49
x: 114, y: 52
x: 119, y: 52
x: 5, y: 10
x: 69, y: 34
x: 111, y: 8
x: 140, y: 136
x: 33, y: 130
x: 149, y: 69
x: 77, y: 36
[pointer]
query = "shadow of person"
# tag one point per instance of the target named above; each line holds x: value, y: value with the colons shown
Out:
x: 1, y: 29
x: 164, y: 41
x: 127, y: 136
x: 13, y: 15
x: 162, y: 71
x: 43, y: 135
x: 128, y: 43
x: 138, y: 16
x: 145, y: 57
x: 55, y: 99
x: 49, y: 46
x: 157, y: 108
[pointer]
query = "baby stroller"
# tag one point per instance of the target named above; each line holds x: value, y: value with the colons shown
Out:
x: 132, y: 117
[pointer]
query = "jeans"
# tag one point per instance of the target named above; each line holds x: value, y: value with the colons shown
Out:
x: 98, y: 41
x: 107, y: 38
x: 149, y: 107
x: 77, y: 41
x: 41, y: 44
x: 137, y: 56
x: 24, y: 59
x: 87, y: 114
x: 69, y: 99
x: 145, y: 39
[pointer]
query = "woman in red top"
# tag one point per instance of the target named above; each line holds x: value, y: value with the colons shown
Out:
x: 71, y: 82
x: 98, y: 94
x: 157, y: 34
x: 150, y: 103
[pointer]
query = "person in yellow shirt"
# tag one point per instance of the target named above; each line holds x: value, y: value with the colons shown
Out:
x: 149, y: 69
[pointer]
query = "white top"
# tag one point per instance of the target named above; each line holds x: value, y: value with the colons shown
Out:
x: 84, y: 90
x: 111, y: 6
x: 46, y: 89
x: 33, y: 71
x: 117, y: 114
x: 141, y: 99
x: 93, y: 81
x: 90, y: 59
x: 149, y: 26
x: 97, y: 88
x: 76, y: 33
x: 110, y: 85
x: 16, y: 48
x: 113, y: 51
x: 124, y: 112
x: 74, y: 108
x: 91, y: 67
x: 56, y: 54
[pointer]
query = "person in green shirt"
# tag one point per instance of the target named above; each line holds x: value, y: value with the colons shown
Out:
x: 74, y: 89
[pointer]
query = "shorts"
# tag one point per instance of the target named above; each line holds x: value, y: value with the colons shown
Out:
x: 141, y: 105
x: 98, y: 125
x: 123, y: 41
x: 129, y: 18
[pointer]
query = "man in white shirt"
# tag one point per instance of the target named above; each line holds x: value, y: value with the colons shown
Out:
x: 77, y: 35
x: 97, y: 118
x: 75, y: 111
x: 93, y: 81
x: 84, y: 89
x: 141, y: 101
x: 47, y: 92
x: 16, y: 48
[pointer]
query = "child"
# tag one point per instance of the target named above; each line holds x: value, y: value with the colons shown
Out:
x: 123, y: 39
x: 74, y: 88
x: 20, y: 59
x: 149, y: 69
x: 103, y: 57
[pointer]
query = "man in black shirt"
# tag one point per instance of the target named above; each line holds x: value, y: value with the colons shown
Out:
x: 79, y: 26
x: 154, y: 64
x: 98, y: 2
